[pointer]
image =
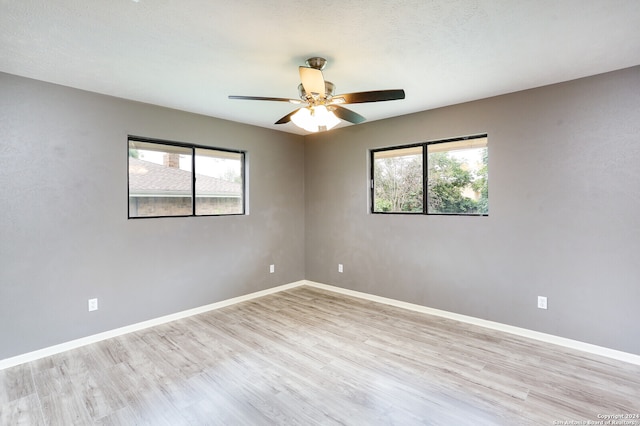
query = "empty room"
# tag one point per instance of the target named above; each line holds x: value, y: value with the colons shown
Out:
x: 338, y: 212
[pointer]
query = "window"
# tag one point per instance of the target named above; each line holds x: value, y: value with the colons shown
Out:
x: 397, y: 178
x: 456, y: 178
x: 172, y: 179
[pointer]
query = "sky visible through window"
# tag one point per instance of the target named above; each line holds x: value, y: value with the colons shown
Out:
x: 220, y: 168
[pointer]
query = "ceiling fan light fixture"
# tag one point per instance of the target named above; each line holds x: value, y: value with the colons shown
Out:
x: 325, y: 118
x: 315, y: 118
x: 302, y: 118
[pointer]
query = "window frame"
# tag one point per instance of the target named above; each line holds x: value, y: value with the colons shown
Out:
x: 193, y: 172
x: 425, y: 171
x: 372, y: 179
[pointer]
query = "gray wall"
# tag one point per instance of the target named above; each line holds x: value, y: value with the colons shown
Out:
x: 564, y: 218
x: 64, y: 233
x: 563, y: 221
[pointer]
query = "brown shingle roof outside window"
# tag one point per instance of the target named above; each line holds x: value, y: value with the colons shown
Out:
x: 147, y: 178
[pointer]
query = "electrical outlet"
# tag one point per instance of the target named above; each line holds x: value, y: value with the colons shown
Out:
x: 272, y: 269
x: 542, y: 302
x: 340, y: 268
x: 93, y: 305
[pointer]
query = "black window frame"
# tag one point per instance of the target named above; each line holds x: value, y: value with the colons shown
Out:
x: 425, y: 166
x: 193, y: 148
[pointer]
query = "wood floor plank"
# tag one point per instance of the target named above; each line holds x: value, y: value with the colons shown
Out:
x: 66, y: 408
x: 15, y: 383
x: 310, y: 356
x: 22, y: 411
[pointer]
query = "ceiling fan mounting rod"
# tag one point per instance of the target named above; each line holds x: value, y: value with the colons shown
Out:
x: 317, y: 63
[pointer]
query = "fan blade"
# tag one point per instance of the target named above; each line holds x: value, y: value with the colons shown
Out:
x: 373, y: 96
x: 347, y: 114
x: 287, y: 118
x: 261, y: 98
x: 312, y: 81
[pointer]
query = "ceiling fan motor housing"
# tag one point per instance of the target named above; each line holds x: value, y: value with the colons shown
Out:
x: 329, y: 91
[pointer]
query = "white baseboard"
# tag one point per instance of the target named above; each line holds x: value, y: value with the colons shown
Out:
x: 536, y: 335
x: 548, y: 338
x: 73, y: 344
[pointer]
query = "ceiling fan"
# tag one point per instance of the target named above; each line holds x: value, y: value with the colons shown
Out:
x: 322, y: 109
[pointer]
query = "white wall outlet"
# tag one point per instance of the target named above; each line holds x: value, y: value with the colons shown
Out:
x: 272, y: 269
x: 340, y: 268
x: 93, y: 305
x: 542, y: 302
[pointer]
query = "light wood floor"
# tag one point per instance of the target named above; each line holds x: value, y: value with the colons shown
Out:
x: 308, y: 356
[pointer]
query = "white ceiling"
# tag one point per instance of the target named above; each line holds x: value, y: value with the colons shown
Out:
x: 191, y: 54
